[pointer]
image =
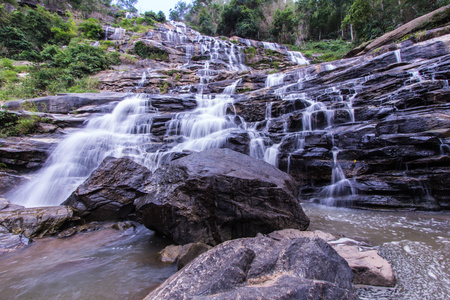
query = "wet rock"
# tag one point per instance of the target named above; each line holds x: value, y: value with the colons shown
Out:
x: 10, y: 179
x: 66, y: 103
x: 10, y: 242
x: 217, y: 195
x: 110, y: 190
x: 368, y: 267
x: 35, y: 222
x: 25, y: 153
x: 182, y: 255
x: 262, y: 267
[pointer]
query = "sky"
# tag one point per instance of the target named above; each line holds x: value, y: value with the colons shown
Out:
x: 157, y: 5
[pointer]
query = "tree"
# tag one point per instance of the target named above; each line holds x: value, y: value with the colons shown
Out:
x: 161, y: 17
x: 206, y: 23
x: 128, y: 5
x: 241, y: 17
x: 178, y: 13
x: 284, y: 26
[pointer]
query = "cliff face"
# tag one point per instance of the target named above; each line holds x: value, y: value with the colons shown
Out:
x: 371, y: 131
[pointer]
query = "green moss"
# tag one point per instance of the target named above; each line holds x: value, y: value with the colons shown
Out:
x: 144, y: 51
x: 323, y: 51
x: 243, y: 90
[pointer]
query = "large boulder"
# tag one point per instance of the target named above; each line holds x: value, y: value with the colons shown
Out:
x: 217, y: 195
x: 36, y: 221
x: 262, y: 268
x: 109, y: 192
x: 368, y: 267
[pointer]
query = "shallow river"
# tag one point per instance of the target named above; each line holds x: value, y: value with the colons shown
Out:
x: 417, y: 244
x: 111, y: 264
x: 105, y: 264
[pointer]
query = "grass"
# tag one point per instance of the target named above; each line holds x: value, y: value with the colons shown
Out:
x: 324, y: 51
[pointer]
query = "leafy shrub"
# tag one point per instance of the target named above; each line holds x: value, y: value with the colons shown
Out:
x: 82, y: 59
x: 144, y: 51
x: 114, y: 58
x: 8, y: 122
x: 92, y: 29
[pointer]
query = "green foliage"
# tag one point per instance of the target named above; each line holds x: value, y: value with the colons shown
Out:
x: 241, y: 18
x: 23, y: 33
x: 324, y: 51
x: 144, y: 51
x: 8, y: 123
x: 284, y: 26
x: 128, y: 59
x: 82, y: 59
x: 92, y: 29
x: 114, y: 58
x: 151, y: 17
x: 179, y: 12
x: 161, y: 17
x: 206, y: 23
x: 128, y: 5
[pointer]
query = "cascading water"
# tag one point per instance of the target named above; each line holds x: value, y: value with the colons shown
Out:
x: 341, y: 188
x: 123, y: 132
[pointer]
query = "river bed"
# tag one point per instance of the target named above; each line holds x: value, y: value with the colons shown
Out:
x: 105, y: 264
x: 417, y: 244
x: 110, y: 264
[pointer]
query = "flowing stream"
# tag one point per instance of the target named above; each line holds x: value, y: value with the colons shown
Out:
x: 105, y: 264
x: 417, y: 244
x: 111, y: 264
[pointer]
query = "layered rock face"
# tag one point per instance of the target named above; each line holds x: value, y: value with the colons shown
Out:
x: 262, y: 268
x: 218, y: 195
x: 370, y: 131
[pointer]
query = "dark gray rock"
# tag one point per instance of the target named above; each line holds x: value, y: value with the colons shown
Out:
x: 110, y: 190
x: 35, y: 222
x: 10, y: 179
x: 20, y: 153
x: 66, y: 103
x: 262, y: 268
x: 218, y: 195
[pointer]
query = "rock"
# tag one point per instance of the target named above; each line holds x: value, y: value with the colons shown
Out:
x: 9, y: 179
x: 35, y: 222
x: 439, y: 16
x: 262, y: 268
x: 67, y: 103
x: 11, y: 242
x: 368, y: 267
x: 171, y: 253
x: 217, y: 195
x: 182, y: 255
x: 5, y: 205
x: 189, y: 252
x: 20, y: 153
x: 110, y: 190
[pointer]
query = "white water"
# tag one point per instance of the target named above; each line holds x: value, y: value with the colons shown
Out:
x: 297, y: 57
x: 340, y: 188
x: 124, y: 132
x: 117, y: 33
x: 398, y: 56
x: 274, y: 79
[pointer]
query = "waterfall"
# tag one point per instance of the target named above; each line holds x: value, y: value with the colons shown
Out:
x: 341, y: 189
x: 123, y: 132
x: 274, y: 79
x: 297, y: 57
x: 398, y: 56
